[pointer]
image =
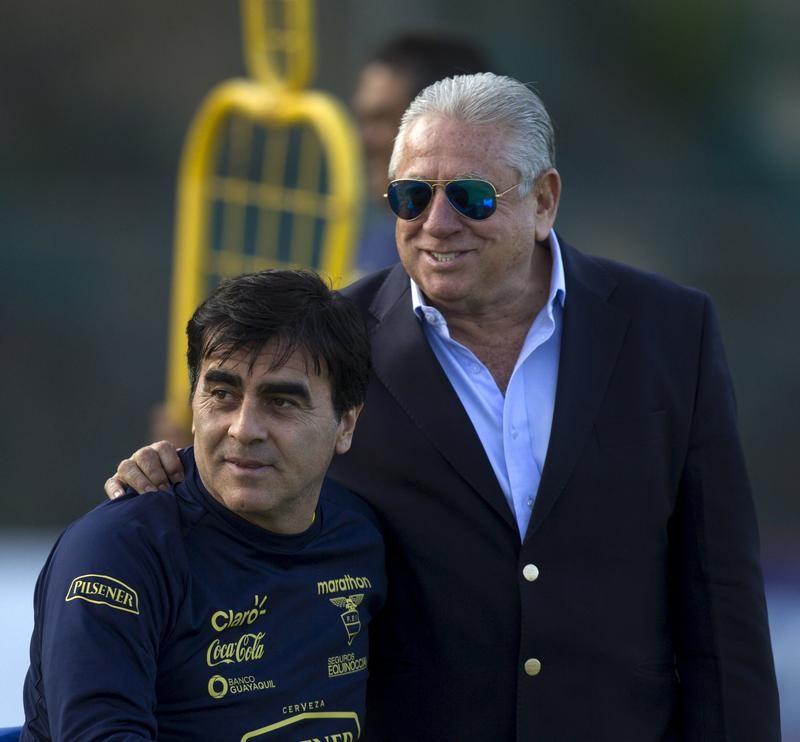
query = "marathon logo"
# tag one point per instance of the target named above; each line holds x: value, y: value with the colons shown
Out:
x: 104, y: 590
x: 342, y: 584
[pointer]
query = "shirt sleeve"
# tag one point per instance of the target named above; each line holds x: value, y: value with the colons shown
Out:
x: 101, y: 608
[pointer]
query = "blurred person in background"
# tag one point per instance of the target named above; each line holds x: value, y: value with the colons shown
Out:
x: 239, y: 602
x: 550, y: 442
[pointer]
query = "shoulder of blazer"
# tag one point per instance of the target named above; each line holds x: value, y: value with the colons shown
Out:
x: 378, y: 292
x: 608, y: 280
x: 623, y: 285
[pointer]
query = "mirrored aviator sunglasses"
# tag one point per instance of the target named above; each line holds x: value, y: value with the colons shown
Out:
x: 471, y: 197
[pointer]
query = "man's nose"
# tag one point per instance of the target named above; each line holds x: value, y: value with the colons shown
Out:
x: 249, y: 422
x: 440, y: 217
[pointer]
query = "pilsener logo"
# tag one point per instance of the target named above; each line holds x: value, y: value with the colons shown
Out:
x: 104, y: 590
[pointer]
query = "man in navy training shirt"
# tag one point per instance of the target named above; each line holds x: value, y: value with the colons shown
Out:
x: 235, y: 606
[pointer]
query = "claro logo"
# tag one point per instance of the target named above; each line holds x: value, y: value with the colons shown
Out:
x: 230, y: 619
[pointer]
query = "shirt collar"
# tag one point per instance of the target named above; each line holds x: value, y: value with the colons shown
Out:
x: 558, y: 286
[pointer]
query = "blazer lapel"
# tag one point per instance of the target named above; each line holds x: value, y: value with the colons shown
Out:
x: 405, y: 364
x: 591, y: 338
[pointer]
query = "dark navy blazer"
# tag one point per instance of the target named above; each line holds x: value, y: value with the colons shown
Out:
x: 647, y: 619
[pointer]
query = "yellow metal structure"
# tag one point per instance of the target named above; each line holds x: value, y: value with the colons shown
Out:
x: 278, y: 42
x: 269, y: 177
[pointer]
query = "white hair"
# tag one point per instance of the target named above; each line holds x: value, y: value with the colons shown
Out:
x: 486, y: 98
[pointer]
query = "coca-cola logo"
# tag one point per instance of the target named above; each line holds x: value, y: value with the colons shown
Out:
x: 247, y: 648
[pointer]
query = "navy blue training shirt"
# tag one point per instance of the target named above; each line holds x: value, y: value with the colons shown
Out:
x: 165, y: 616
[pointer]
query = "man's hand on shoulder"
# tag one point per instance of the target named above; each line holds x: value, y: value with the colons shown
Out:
x: 153, y: 467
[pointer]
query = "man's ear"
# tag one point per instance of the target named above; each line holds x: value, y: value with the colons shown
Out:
x: 547, y: 192
x: 347, y: 425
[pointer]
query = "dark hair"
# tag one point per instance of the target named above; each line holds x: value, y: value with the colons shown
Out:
x: 295, y: 310
x: 425, y: 58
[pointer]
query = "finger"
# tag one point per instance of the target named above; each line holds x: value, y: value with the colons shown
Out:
x: 114, y: 488
x: 142, y: 475
x: 169, y: 460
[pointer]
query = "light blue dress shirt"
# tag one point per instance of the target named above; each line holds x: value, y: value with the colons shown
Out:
x: 514, y: 429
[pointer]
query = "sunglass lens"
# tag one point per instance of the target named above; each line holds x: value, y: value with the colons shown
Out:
x: 409, y: 198
x: 475, y: 199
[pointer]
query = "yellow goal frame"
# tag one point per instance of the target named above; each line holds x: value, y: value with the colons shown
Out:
x: 273, y: 98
